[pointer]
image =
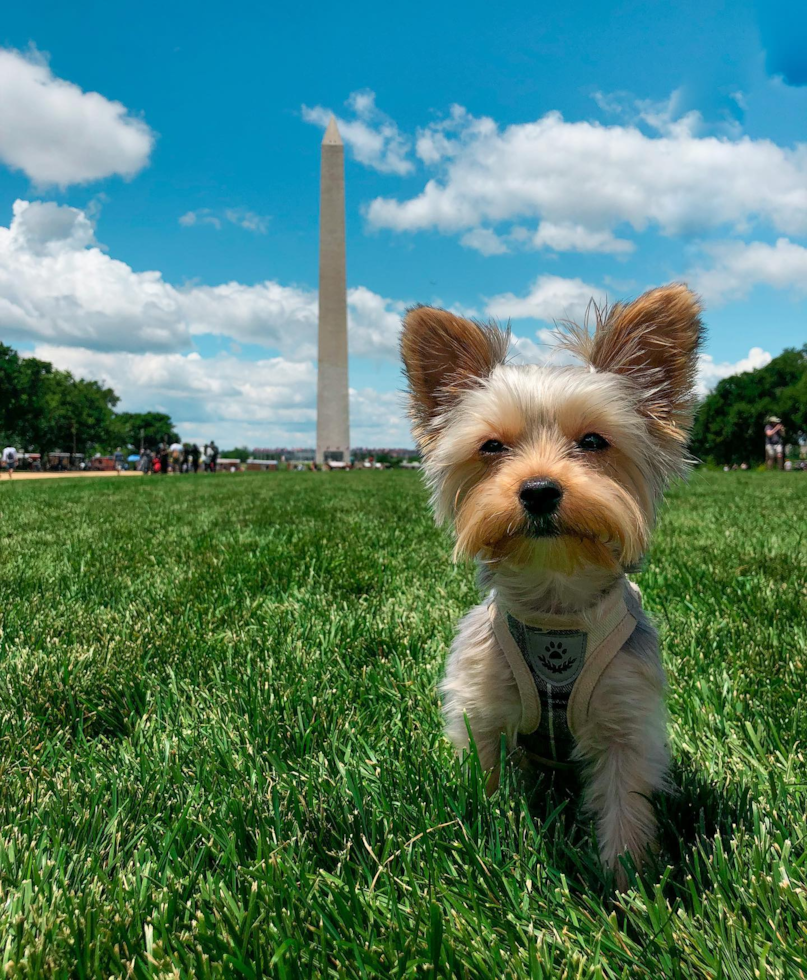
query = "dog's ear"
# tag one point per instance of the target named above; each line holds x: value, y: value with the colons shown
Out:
x: 655, y: 341
x: 443, y: 355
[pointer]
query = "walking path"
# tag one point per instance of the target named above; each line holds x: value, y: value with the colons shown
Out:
x: 29, y: 475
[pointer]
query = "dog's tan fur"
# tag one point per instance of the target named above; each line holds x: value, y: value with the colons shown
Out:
x: 635, y: 389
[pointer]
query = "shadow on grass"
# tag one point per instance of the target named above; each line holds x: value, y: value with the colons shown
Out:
x: 689, y: 821
x: 691, y: 818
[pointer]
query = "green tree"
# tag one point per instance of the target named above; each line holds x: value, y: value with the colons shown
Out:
x: 61, y: 413
x: 729, y: 426
x: 34, y: 424
x: 44, y: 409
x: 240, y: 453
x: 154, y: 426
x: 81, y: 414
x: 11, y: 389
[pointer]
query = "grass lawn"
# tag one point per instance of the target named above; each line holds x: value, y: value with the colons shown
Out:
x: 220, y: 746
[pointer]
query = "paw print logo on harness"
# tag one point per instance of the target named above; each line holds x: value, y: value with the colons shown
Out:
x: 552, y: 658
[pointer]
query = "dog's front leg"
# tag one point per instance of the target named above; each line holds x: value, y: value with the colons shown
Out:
x: 479, y: 692
x: 623, y: 746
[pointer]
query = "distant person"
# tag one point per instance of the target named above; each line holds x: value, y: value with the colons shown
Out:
x: 214, y: 456
x: 165, y: 456
x: 10, y: 459
x: 195, y: 454
x: 774, y: 443
x: 801, y: 441
x: 176, y: 450
x: 119, y: 461
x: 207, y: 456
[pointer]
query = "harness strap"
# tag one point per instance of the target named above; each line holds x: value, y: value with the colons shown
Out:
x: 530, y: 702
x: 593, y: 669
x: 605, y: 639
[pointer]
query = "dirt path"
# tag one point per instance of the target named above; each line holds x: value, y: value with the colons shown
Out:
x: 28, y: 475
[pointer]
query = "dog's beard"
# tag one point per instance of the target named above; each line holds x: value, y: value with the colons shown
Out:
x: 550, y: 545
x: 543, y: 527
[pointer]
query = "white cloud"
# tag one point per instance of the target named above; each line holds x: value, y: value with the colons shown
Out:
x: 271, y: 400
x: 222, y: 387
x: 549, y: 298
x: 201, y: 216
x: 372, y: 136
x: 709, y: 372
x: 597, y: 177
x: 268, y: 313
x: 248, y: 220
x: 378, y: 418
x: 45, y: 228
x: 485, y: 241
x: 739, y: 266
x: 58, y: 286
x: 740, y: 99
x: 524, y: 350
x: 55, y: 133
x: 374, y: 323
x: 568, y: 237
x: 434, y: 142
x: 543, y: 350
x: 563, y: 237
x: 237, y: 402
x: 665, y: 116
x: 552, y: 298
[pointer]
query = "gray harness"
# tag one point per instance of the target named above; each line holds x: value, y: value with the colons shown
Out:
x: 557, y: 663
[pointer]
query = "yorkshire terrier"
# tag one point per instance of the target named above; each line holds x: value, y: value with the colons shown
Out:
x: 552, y: 477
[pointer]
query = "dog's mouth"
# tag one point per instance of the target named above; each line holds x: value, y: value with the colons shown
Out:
x: 543, y: 527
x: 551, y: 527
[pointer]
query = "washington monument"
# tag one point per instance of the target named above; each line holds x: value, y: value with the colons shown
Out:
x: 333, y: 421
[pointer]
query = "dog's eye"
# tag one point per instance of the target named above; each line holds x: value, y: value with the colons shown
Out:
x: 593, y: 442
x: 492, y: 447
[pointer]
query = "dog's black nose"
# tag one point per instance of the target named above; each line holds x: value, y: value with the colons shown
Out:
x: 540, y: 496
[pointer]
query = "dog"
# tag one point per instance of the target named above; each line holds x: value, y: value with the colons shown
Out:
x: 551, y: 477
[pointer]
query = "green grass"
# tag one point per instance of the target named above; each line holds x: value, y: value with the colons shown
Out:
x: 220, y: 746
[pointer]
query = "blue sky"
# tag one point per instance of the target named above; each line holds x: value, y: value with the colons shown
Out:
x: 508, y: 162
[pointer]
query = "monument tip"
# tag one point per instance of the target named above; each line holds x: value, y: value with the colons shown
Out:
x: 332, y: 137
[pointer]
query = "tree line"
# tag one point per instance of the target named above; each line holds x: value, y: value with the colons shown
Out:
x: 730, y: 422
x: 45, y: 410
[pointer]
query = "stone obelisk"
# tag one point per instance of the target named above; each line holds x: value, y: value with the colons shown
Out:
x: 333, y: 420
